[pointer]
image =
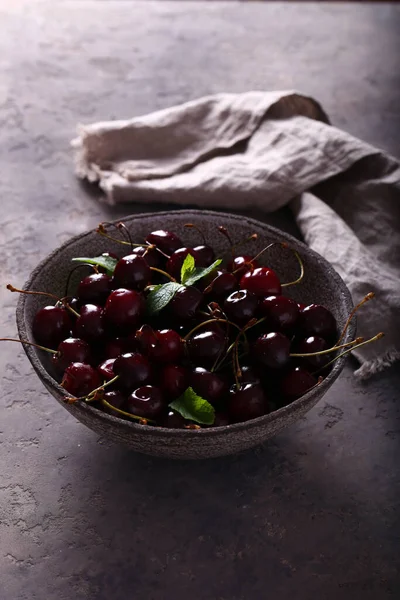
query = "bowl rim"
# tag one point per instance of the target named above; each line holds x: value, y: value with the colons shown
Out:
x: 163, y: 432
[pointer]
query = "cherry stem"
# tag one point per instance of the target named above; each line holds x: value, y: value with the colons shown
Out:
x: 300, y: 277
x: 163, y: 273
x: 92, y: 395
x: 376, y: 337
x: 214, y: 320
x: 29, y: 344
x: 73, y: 270
x: 11, y: 288
x: 125, y: 414
x: 101, y: 230
x: 257, y: 256
x: 192, y: 226
x: 122, y: 227
x: 353, y: 312
x: 358, y: 340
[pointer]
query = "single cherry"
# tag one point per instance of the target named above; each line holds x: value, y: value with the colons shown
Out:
x: 221, y: 420
x: 132, y: 272
x: 80, y: 379
x: 221, y: 284
x: 164, y: 346
x: 106, y: 370
x: 205, y: 256
x: 205, y: 346
x: 241, y: 265
x: 133, y: 369
x: 297, y: 382
x: 152, y: 256
x: 313, y: 344
x: 247, y: 402
x: 146, y: 401
x: 185, y: 303
x: 116, y: 347
x: 51, y: 325
x: 94, y: 289
x: 272, y: 350
x: 241, y: 306
x: 281, y: 312
x: 316, y: 320
x: 208, y: 385
x: 115, y: 398
x: 174, y: 420
x: 90, y: 325
x: 69, y: 351
x: 174, y: 379
x: 166, y: 241
x: 124, y: 310
x: 249, y: 375
x: 262, y: 282
x: 176, y: 260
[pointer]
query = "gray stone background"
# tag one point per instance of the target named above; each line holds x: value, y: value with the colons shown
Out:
x: 312, y: 514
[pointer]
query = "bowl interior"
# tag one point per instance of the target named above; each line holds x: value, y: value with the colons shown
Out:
x: 321, y: 284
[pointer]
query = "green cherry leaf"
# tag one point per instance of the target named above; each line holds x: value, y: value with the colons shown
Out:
x: 106, y: 262
x: 193, y: 407
x: 187, y: 269
x: 160, y: 296
x: 199, y: 273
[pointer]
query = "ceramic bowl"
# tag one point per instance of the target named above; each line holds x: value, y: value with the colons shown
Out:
x: 321, y: 284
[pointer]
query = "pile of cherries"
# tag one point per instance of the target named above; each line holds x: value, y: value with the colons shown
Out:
x: 232, y: 337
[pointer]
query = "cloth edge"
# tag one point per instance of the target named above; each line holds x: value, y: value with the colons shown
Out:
x: 377, y: 365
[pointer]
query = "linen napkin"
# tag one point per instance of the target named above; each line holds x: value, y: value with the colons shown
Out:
x: 265, y: 150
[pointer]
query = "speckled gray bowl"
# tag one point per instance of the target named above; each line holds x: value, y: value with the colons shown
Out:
x: 321, y: 284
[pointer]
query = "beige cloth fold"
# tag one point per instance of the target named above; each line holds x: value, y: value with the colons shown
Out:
x: 264, y: 150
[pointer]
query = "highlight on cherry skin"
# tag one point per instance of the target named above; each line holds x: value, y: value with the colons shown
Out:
x: 174, y: 336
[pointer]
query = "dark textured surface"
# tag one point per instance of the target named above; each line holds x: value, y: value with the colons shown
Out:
x: 320, y: 284
x: 314, y: 514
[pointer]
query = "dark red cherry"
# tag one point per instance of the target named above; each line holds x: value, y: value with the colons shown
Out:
x: 301, y: 305
x: 205, y: 346
x: 145, y: 338
x: 208, y: 385
x: 69, y: 351
x: 132, y: 272
x: 105, y: 369
x: 313, y: 344
x: 176, y: 260
x: 221, y: 420
x: 116, y: 347
x: 146, y: 401
x: 272, y: 350
x: 241, y: 265
x: 249, y: 375
x: 115, y: 398
x: 94, y: 289
x: 133, y: 369
x: 281, y: 312
x: 124, y: 310
x: 174, y: 420
x: 51, y: 325
x: 247, y: 402
x: 80, y: 379
x: 174, y: 379
x: 241, y: 306
x: 262, y: 282
x: 166, y: 241
x: 316, y: 320
x: 152, y: 256
x: 297, y: 382
x: 205, y: 256
x: 90, y: 325
x: 221, y: 284
x: 185, y: 303
x: 168, y: 348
